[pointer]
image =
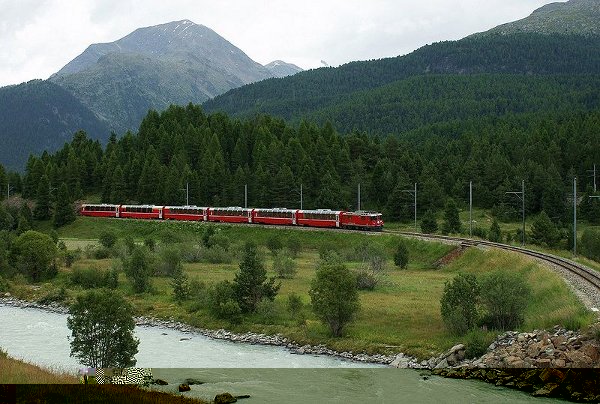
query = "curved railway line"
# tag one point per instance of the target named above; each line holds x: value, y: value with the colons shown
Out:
x: 590, y: 276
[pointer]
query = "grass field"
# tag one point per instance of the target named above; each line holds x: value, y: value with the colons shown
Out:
x: 402, y: 314
x: 13, y: 371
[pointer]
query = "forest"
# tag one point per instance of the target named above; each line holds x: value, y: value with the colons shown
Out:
x: 215, y: 156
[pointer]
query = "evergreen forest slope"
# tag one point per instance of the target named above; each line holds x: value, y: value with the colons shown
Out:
x: 384, y: 87
x: 30, y: 111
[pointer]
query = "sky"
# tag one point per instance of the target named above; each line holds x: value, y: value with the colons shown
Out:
x: 38, y: 37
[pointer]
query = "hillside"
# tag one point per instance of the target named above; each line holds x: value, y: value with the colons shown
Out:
x: 573, y: 17
x: 307, y: 94
x: 38, y: 116
x: 177, y: 62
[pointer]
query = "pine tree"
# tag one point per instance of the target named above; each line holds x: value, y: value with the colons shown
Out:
x: 118, y: 187
x: 451, y: 219
x: 42, y: 202
x: 63, y: 211
x: 250, y: 283
x: 495, y: 234
x: 429, y: 223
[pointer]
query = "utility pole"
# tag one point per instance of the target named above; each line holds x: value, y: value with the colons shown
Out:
x: 521, y: 196
x: 245, y: 196
x: 575, y: 216
x: 359, y: 196
x: 187, y: 193
x: 414, y: 193
x: 300, y: 196
x: 471, y: 209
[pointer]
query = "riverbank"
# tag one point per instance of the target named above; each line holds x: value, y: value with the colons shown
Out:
x: 221, y: 334
x: 14, y: 371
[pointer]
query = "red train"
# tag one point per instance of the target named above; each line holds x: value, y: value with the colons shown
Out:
x: 290, y: 217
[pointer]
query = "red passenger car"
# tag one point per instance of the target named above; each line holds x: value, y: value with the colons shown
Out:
x: 103, y: 210
x: 361, y: 220
x: 230, y: 215
x: 185, y: 213
x: 318, y: 218
x: 280, y: 216
x: 141, y: 211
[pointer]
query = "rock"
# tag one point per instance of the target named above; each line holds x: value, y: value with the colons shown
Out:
x: 243, y: 396
x: 544, y: 363
x: 183, y: 387
x: 225, y: 398
x: 160, y: 382
x: 400, y: 362
x: 443, y: 364
x: 7, y: 294
x: 192, y: 381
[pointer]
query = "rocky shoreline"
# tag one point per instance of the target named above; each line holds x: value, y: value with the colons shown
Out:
x: 247, y: 338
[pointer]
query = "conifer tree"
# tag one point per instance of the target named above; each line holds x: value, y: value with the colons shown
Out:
x: 42, y: 201
x: 451, y: 219
x: 63, y: 211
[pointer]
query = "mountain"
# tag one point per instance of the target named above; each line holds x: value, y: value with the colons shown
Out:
x: 579, y: 17
x: 38, y: 116
x: 326, y: 93
x: 178, y: 62
x: 279, y: 68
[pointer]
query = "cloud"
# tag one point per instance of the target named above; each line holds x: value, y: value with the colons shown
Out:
x: 38, y: 37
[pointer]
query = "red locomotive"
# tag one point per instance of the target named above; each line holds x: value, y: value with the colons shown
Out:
x: 360, y: 220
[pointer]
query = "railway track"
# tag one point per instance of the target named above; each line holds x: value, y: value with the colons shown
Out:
x: 588, y: 274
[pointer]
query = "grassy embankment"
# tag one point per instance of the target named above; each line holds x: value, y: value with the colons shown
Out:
x: 402, y: 314
x: 15, y: 371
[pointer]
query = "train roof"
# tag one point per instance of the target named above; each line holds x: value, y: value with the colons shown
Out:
x: 186, y: 207
x: 321, y: 211
x: 98, y: 204
x: 230, y: 208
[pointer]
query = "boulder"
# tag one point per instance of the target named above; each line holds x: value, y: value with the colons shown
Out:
x: 400, y: 362
x: 183, y: 387
x: 160, y: 382
x: 225, y: 398
x: 192, y: 381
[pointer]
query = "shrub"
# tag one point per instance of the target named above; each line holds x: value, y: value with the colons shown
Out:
x: 504, y: 296
x: 220, y: 240
x: 222, y: 301
x: 197, y: 289
x: 138, y: 269
x: 283, y: 265
x: 429, y: 223
x: 35, y: 255
x: 54, y: 296
x: 168, y: 263
x: 366, y: 280
x: 590, y: 243
x: 70, y: 257
x: 102, y: 253
x: 274, y: 243
x: 294, y: 246
x: 112, y: 278
x: 216, y: 255
x: 294, y: 304
x: 477, y: 342
x: 480, y: 232
x: 266, y: 311
x: 334, y: 297
x: 544, y: 231
x: 181, y: 286
x: 459, y: 303
x: 129, y: 244
x: 150, y: 243
x: 107, y: 239
x: 401, y: 255
x: 4, y: 286
x: 495, y: 235
x: 90, y: 278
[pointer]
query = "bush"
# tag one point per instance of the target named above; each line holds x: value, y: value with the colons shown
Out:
x: 4, y: 286
x: 544, y: 231
x: 334, y: 297
x: 294, y: 304
x: 222, y: 302
x: 54, y: 296
x: 283, y: 265
x: 480, y: 232
x: 35, y: 255
x: 181, y: 286
x: 590, y: 244
x: 294, y: 246
x: 274, y: 243
x: 107, y: 239
x: 504, y: 296
x: 150, y: 243
x: 429, y: 223
x: 70, y: 257
x: 366, y: 280
x: 102, y: 253
x: 495, y: 235
x: 138, y: 269
x: 168, y: 263
x: 459, y: 303
x: 90, y: 278
x: 216, y: 255
x: 477, y: 342
x: 401, y: 255
x: 266, y: 311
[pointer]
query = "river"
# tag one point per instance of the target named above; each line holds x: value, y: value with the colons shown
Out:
x: 269, y: 374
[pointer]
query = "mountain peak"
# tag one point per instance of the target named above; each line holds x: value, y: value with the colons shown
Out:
x: 579, y: 17
x: 279, y: 68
